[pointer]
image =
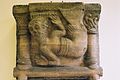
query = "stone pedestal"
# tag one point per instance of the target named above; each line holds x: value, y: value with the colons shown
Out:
x: 55, y: 73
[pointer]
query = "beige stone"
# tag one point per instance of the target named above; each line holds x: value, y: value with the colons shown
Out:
x: 57, y: 40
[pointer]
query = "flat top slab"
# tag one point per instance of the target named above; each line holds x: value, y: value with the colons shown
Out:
x: 33, y: 7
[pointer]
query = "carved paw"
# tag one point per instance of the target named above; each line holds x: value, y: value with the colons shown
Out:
x: 57, y: 63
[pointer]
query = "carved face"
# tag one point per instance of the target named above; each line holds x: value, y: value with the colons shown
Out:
x: 38, y: 26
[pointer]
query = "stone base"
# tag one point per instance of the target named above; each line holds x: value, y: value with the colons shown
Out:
x: 54, y: 73
x: 75, y: 78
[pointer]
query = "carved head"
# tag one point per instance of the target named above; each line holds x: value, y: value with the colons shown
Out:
x: 38, y: 28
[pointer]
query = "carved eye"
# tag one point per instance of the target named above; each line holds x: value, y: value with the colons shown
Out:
x: 36, y: 27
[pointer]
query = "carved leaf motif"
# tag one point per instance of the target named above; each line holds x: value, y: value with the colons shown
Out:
x: 91, y: 22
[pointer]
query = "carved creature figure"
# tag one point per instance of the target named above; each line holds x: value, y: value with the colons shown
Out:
x: 60, y: 35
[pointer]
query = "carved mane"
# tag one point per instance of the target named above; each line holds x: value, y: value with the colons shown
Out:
x: 39, y: 29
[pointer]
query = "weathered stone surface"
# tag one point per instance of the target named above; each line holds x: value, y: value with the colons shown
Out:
x: 57, y: 41
x: 57, y: 72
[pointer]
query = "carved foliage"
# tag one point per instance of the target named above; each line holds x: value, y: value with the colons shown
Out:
x: 91, y: 17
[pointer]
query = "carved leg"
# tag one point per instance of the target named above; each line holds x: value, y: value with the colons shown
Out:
x: 22, y: 77
x: 52, y: 58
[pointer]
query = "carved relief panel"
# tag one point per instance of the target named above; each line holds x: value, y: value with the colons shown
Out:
x: 57, y: 41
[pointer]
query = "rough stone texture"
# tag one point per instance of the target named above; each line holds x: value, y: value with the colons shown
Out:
x: 57, y: 41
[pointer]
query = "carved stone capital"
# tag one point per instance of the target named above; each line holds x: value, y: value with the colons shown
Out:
x: 91, y: 17
x: 53, y: 43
